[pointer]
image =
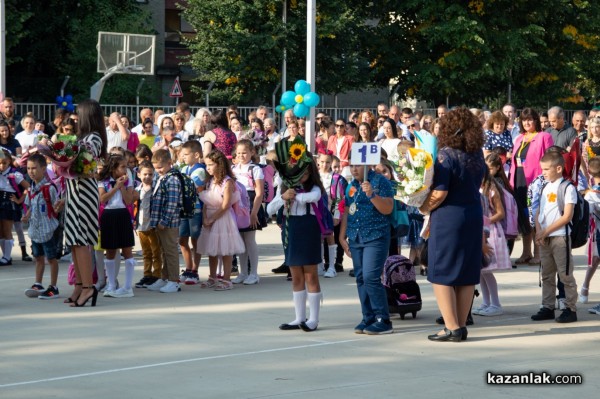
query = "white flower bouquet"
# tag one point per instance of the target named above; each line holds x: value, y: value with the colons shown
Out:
x: 415, y: 175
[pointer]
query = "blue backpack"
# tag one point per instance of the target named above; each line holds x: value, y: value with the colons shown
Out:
x: 323, y: 215
x: 399, y: 218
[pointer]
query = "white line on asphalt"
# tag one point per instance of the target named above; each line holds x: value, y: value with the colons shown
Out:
x: 198, y: 359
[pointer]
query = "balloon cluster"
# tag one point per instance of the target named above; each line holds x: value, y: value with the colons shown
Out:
x: 300, y: 100
x: 65, y: 103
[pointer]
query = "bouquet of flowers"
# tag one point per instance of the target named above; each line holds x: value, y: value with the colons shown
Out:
x: 259, y: 139
x: 415, y: 175
x: 72, y: 159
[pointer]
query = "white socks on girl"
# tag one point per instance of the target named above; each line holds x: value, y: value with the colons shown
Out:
x: 109, y: 266
x: 332, y: 254
x: 7, y: 246
x: 299, y: 307
x: 314, y: 305
x: 321, y: 265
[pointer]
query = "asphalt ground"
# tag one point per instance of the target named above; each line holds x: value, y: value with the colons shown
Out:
x: 205, y: 344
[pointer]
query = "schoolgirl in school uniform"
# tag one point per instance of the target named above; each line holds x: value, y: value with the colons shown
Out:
x: 12, y: 194
x: 334, y: 185
x: 302, y: 243
x: 251, y: 176
x: 116, y: 227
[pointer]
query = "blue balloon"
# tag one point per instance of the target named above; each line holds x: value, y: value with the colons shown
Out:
x: 68, y: 98
x: 280, y: 108
x: 288, y: 99
x: 311, y: 99
x: 300, y: 110
x: 302, y: 87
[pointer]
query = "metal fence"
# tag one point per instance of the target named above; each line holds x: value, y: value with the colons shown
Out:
x: 46, y: 111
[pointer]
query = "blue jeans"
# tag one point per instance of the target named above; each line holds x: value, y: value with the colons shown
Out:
x: 368, y: 259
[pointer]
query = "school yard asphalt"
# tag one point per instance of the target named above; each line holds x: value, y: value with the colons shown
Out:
x: 206, y: 344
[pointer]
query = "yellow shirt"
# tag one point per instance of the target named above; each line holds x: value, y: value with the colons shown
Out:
x: 147, y: 140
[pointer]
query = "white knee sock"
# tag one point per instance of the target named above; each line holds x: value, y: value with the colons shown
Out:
x: 99, y: 256
x: 332, y: 255
x: 109, y: 265
x: 8, y: 246
x: 117, y: 266
x: 2, y: 246
x: 299, y: 307
x: 129, y: 268
x: 314, y: 305
x: 321, y: 265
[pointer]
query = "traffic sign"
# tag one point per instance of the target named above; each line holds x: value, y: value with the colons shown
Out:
x: 176, y: 89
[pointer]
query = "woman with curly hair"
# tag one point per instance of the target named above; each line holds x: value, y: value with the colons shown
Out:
x: 456, y: 220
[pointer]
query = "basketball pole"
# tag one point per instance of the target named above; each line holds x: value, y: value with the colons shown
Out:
x: 2, y: 49
x: 311, y: 44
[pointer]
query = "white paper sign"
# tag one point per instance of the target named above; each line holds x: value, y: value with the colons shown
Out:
x: 365, y: 154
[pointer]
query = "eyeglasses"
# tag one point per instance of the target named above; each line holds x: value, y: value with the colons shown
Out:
x: 319, y: 118
x: 411, y: 126
x: 340, y: 125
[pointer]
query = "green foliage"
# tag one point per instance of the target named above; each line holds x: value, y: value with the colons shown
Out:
x: 58, y: 38
x: 472, y: 50
x: 240, y: 45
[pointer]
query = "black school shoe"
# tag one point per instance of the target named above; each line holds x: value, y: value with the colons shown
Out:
x: 281, y: 269
x: 339, y: 268
x: 440, y: 320
x: 544, y: 314
x: 567, y: 316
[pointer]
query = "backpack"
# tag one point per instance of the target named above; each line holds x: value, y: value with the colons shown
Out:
x: 510, y: 222
x: 269, y: 174
x: 323, y: 215
x: 336, y: 181
x: 402, y: 290
x: 580, y: 223
x: 189, y: 195
x: 47, y: 198
x: 241, y: 208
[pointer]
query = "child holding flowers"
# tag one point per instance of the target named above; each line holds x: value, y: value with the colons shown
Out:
x: 300, y: 191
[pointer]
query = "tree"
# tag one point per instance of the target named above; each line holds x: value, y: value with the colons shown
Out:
x: 240, y: 45
x: 471, y: 51
x: 58, y: 38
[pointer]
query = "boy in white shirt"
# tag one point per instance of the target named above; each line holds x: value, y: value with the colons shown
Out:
x: 552, y: 234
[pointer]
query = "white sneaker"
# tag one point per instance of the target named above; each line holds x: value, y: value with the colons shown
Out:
x: 491, y: 311
x: 121, y: 293
x: 562, y: 303
x: 595, y: 309
x: 251, y: 279
x: 479, y: 309
x: 157, y: 285
x: 239, y: 279
x: 583, y: 298
x: 170, y: 287
x: 330, y: 272
x: 107, y: 292
x: 321, y: 269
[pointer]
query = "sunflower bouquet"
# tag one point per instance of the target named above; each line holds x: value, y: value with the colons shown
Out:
x: 415, y: 175
x: 72, y: 159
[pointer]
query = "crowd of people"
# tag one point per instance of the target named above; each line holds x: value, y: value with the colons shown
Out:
x: 495, y: 172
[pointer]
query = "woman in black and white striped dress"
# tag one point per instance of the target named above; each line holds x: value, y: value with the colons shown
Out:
x: 81, y: 216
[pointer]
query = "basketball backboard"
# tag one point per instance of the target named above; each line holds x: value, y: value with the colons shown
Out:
x: 126, y: 53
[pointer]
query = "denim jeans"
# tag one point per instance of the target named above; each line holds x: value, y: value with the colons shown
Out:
x: 368, y: 259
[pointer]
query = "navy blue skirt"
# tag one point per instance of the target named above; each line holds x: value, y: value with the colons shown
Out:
x: 304, y: 241
x: 116, y: 229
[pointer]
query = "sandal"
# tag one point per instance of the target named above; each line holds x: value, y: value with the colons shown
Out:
x: 523, y: 260
x: 534, y: 261
x: 70, y: 299
x: 224, y: 285
x: 210, y: 283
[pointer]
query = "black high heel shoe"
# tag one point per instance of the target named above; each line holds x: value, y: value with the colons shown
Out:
x: 94, y: 297
x: 70, y: 299
x: 465, y: 332
x: 450, y: 335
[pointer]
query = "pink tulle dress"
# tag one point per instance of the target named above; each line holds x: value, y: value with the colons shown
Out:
x: 223, y: 237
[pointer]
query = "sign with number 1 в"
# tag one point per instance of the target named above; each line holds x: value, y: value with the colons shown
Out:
x: 365, y: 154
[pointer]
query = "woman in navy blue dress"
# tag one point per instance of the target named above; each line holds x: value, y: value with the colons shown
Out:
x: 456, y: 222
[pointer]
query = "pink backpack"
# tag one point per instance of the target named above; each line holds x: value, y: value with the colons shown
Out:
x: 269, y: 173
x: 510, y: 223
x: 241, y: 208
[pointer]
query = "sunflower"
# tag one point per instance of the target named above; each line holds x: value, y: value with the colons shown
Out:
x: 296, y: 151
